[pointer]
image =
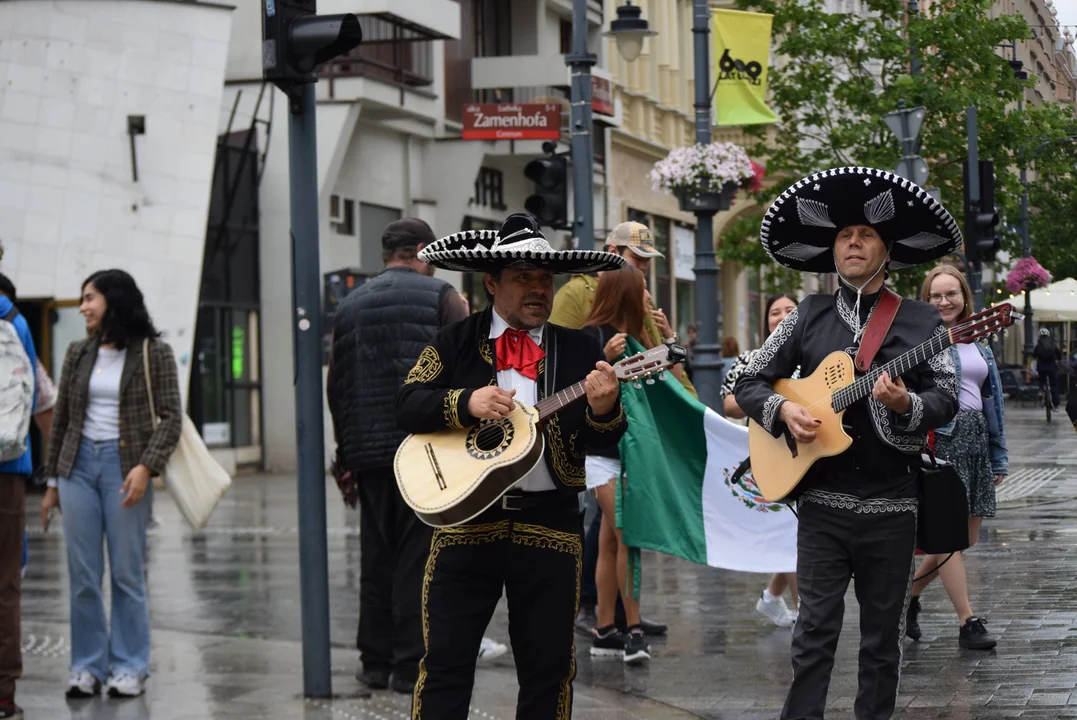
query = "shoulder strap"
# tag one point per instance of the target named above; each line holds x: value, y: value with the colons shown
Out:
x: 878, y: 327
x: 12, y: 314
x: 149, y: 381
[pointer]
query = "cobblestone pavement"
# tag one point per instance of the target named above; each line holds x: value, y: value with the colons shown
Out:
x: 226, y: 618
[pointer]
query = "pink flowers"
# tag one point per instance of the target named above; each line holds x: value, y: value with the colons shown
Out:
x: 1027, y: 274
x: 700, y: 167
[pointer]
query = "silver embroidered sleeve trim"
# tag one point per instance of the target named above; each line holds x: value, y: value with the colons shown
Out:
x: 942, y: 365
x: 841, y: 501
x: 916, y: 412
x: 770, y: 411
x: 765, y: 354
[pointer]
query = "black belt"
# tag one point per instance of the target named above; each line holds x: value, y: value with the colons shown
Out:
x: 517, y: 501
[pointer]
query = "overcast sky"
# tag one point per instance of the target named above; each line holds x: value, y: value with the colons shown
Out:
x: 1067, y: 13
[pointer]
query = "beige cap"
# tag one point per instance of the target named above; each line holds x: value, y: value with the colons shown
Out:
x: 636, y: 237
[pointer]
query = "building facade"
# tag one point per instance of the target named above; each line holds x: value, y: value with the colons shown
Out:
x: 108, y: 122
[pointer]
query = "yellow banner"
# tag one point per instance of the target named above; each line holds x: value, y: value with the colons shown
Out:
x: 741, y: 56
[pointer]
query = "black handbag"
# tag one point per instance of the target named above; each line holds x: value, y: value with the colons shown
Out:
x: 942, y: 524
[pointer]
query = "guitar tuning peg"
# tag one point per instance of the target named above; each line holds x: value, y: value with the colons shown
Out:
x: 662, y: 377
x: 650, y: 381
x: 637, y: 385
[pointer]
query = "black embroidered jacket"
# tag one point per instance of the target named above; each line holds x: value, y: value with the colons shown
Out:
x: 882, y: 440
x: 461, y: 360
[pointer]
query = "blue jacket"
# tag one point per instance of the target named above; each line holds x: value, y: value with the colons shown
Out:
x: 25, y: 464
x: 994, y: 409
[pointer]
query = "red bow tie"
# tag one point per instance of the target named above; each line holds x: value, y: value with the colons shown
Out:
x: 517, y: 351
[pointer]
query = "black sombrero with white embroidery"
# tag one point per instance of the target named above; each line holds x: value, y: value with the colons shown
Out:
x: 799, y: 229
x: 518, y: 244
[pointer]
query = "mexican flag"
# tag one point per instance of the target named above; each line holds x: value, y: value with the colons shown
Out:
x: 678, y: 496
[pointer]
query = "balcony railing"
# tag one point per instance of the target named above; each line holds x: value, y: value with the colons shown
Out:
x: 390, y: 53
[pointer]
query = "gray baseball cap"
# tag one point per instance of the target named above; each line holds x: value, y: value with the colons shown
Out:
x: 636, y: 237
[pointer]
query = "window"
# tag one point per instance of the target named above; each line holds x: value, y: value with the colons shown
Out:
x: 372, y: 222
x: 225, y: 391
x: 342, y: 215
x: 566, y: 36
x: 673, y: 295
x: 493, y: 28
x: 489, y: 189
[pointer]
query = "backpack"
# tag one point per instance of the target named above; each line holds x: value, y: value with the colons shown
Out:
x: 16, y: 391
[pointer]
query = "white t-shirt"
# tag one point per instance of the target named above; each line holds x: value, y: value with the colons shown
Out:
x: 527, y: 394
x: 103, y: 413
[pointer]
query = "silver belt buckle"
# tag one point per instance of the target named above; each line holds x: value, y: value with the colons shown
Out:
x: 505, y: 504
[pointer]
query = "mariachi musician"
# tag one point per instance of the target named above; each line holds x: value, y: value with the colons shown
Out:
x: 529, y: 544
x: 858, y: 509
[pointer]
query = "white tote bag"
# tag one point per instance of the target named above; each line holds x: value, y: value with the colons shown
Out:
x: 195, y: 480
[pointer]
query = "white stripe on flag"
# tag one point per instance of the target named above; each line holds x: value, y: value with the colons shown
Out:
x: 743, y: 531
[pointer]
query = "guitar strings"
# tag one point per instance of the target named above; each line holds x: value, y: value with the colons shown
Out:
x: 956, y: 330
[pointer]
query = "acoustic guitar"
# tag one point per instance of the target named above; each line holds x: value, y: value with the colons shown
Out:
x: 779, y: 464
x: 449, y: 477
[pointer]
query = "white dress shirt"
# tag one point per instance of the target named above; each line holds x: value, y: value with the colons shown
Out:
x: 527, y: 394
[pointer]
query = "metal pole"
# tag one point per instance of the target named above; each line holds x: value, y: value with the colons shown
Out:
x: 705, y: 374
x: 914, y: 60
x: 1026, y: 243
x: 580, y: 62
x: 307, y: 334
x: 974, y: 270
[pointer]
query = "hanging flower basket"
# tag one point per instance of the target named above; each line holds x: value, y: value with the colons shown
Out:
x: 704, y: 178
x: 1027, y: 274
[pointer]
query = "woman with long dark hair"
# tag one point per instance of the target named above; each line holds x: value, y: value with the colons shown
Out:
x: 771, y: 604
x: 617, y: 313
x: 104, y: 450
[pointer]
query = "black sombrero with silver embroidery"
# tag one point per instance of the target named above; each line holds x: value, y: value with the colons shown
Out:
x: 518, y: 244
x: 799, y: 229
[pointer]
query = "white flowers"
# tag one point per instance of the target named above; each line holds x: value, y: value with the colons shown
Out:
x: 699, y: 167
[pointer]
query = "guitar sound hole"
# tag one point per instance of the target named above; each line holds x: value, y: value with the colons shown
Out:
x: 489, y: 440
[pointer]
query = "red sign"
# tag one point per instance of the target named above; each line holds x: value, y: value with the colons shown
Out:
x: 487, y: 121
x: 602, y: 96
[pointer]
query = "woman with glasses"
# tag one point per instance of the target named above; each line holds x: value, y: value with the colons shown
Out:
x: 974, y: 443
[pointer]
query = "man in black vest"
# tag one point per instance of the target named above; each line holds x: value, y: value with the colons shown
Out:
x: 528, y: 543
x: 379, y: 332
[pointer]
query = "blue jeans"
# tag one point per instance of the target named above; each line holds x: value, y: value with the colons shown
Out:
x: 92, y: 512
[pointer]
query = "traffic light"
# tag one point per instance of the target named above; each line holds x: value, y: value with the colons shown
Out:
x: 295, y: 40
x: 981, y: 242
x: 549, y: 203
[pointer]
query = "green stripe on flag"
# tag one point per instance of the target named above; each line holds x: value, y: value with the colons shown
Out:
x: 661, y: 503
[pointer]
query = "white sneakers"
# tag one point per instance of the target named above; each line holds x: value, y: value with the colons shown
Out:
x: 82, y: 684
x: 776, y: 611
x: 124, y: 685
x: 490, y: 649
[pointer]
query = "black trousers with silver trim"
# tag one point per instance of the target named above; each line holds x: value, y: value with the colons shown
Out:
x: 872, y: 544
x: 534, y: 556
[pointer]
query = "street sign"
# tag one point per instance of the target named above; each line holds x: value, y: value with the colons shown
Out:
x: 905, y: 124
x: 517, y: 121
x: 913, y: 168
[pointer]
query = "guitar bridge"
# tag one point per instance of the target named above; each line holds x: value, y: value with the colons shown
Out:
x: 438, y: 476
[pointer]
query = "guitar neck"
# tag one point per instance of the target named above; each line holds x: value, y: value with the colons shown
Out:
x: 863, y: 385
x: 560, y: 399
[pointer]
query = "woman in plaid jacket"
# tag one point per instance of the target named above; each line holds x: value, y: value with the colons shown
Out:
x: 104, y: 449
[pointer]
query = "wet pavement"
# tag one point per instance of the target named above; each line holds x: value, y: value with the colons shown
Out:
x: 226, y: 620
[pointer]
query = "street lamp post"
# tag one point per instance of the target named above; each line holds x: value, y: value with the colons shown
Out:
x: 705, y: 365
x: 580, y: 123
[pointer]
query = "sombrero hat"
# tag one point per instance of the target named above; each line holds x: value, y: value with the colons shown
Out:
x: 518, y: 244
x: 799, y: 229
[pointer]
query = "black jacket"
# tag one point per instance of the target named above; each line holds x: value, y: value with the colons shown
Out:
x: 461, y: 360
x: 882, y: 440
x: 379, y: 331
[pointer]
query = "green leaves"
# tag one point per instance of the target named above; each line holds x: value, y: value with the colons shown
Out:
x: 836, y: 75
